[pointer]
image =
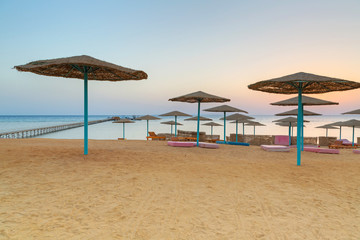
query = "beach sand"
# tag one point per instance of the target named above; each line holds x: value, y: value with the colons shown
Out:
x: 148, y: 190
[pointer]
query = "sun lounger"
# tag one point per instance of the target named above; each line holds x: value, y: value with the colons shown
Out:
x: 311, y: 149
x: 208, y: 145
x: 281, y: 140
x: 238, y: 143
x: 356, y: 151
x: 181, y: 144
x: 338, y: 144
x: 330, y: 151
x: 275, y: 148
x: 154, y: 136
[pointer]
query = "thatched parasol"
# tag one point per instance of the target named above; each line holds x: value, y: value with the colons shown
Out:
x: 176, y: 114
x: 82, y: 67
x: 199, y: 97
x: 357, y: 111
x: 339, y: 124
x: 308, y: 101
x: 327, y: 126
x: 123, y: 121
x: 171, y: 123
x: 238, y: 118
x: 300, y: 83
x: 352, y: 123
x: 294, y: 112
x: 224, y: 109
x: 201, y: 118
x: 147, y: 118
x: 254, y: 124
x: 212, y: 124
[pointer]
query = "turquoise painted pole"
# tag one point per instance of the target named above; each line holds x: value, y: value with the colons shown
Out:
x: 243, y: 129
x: 198, y: 124
x: 85, y: 111
x: 302, y: 128
x: 289, y: 133
x: 224, y: 127
x: 299, y: 125
x: 147, y: 128
x: 237, y: 130
x: 353, y: 135
x: 211, y: 131
x: 124, y: 131
x: 171, y: 130
x: 340, y: 132
x: 175, y: 126
x: 326, y: 132
x: 254, y: 130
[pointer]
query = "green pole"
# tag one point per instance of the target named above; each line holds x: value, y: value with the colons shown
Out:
x: 124, y: 131
x: 147, y: 128
x: 85, y: 111
x: 289, y: 133
x: 299, y: 125
x: 236, y: 130
x: 198, y: 124
x: 175, y: 126
x: 224, y: 127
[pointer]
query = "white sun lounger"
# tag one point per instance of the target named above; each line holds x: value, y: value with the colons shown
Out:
x: 275, y: 148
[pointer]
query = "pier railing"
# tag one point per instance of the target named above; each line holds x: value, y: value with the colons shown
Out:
x: 29, y: 133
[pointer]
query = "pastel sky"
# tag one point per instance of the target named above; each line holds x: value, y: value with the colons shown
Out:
x: 219, y: 47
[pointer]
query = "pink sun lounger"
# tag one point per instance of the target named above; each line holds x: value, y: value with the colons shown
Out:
x: 357, y: 151
x: 181, y: 144
x: 321, y: 150
x: 275, y: 148
x: 208, y: 145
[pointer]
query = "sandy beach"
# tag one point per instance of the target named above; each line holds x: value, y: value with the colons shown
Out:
x: 148, y: 190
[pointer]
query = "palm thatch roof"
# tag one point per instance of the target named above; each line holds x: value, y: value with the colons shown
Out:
x: 311, y: 84
x: 124, y: 120
x: 147, y: 117
x: 171, y: 123
x: 175, y: 113
x: 309, y: 101
x: 287, y: 124
x: 211, y: 124
x: 200, y: 118
x: 224, y: 108
x: 237, y: 116
x: 251, y: 123
x: 199, y: 96
x: 74, y: 67
x: 351, y: 123
x: 327, y: 126
x: 295, y: 112
x: 288, y: 119
x: 357, y: 111
x: 241, y: 121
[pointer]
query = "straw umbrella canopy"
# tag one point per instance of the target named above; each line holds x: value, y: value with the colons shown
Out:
x: 123, y: 121
x: 82, y: 67
x: 338, y: 124
x: 294, y: 112
x: 176, y: 114
x: 306, y: 101
x: 357, y: 111
x: 171, y: 123
x: 327, y: 126
x: 147, y: 118
x: 254, y: 124
x: 238, y: 118
x: 201, y: 118
x: 300, y: 83
x: 352, y: 123
x: 212, y: 124
x: 198, y: 97
x: 224, y: 109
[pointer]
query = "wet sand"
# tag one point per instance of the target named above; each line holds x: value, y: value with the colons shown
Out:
x: 147, y: 190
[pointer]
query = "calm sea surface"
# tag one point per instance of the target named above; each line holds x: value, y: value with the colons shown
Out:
x: 137, y: 130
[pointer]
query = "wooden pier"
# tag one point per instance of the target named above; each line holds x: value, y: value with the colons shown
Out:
x: 45, y: 130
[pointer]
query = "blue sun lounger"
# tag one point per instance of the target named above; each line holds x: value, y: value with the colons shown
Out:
x: 233, y: 143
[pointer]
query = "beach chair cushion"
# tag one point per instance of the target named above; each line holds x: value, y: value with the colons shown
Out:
x: 181, y: 144
x: 329, y: 151
x: 238, y: 143
x: 275, y: 148
x: 345, y: 141
x: 282, y: 140
x: 311, y: 149
x: 357, y: 151
x: 208, y: 145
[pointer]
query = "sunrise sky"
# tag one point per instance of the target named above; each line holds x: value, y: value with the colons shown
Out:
x: 219, y: 47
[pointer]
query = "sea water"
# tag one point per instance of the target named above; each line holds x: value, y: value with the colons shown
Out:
x: 138, y: 130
